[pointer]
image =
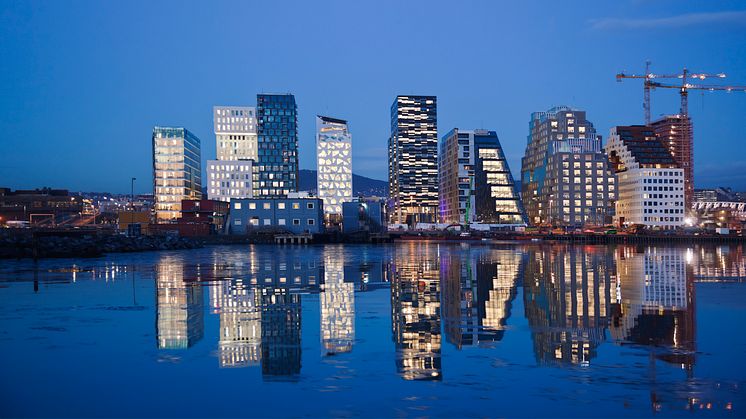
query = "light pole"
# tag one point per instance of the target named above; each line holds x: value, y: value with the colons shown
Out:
x: 132, y: 194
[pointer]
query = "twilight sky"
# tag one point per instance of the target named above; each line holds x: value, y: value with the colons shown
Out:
x: 83, y: 83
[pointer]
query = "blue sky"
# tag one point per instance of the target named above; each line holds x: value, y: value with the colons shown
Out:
x: 83, y: 83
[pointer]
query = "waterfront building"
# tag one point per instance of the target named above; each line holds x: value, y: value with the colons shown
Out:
x: 177, y: 171
x: 568, y: 295
x: 478, y: 290
x: 42, y: 207
x: 334, y: 158
x: 212, y: 213
x: 230, y: 179
x: 475, y: 183
x: 413, y: 160
x: 677, y: 134
x: 277, y: 153
x: 235, y: 132
x: 180, y: 321
x: 651, y: 184
x: 295, y: 215
x: 363, y: 215
x: 566, y: 179
x: 337, y: 302
x: 415, y: 305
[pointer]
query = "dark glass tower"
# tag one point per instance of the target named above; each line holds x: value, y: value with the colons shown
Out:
x: 277, y: 138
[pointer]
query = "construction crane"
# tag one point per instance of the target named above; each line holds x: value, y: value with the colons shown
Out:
x: 685, y: 87
x: 649, y: 84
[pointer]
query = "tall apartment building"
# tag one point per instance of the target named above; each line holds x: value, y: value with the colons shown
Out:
x: 231, y: 175
x: 475, y: 183
x: 334, y: 157
x: 277, y: 153
x: 566, y: 179
x: 235, y: 132
x: 676, y: 132
x: 177, y: 171
x: 413, y: 160
x: 651, y: 183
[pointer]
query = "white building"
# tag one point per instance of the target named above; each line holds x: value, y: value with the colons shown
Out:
x: 235, y: 132
x: 228, y: 179
x: 650, y: 182
x: 334, y: 154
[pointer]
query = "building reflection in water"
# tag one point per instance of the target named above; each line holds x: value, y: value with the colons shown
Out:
x: 655, y: 305
x: 337, y: 302
x: 281, y: 317
x: 415, y: 303
x: 567, y: 296
x: 718, y: 263
x: 478, y: 290
x: 180, y: 318
x: 239, y: 309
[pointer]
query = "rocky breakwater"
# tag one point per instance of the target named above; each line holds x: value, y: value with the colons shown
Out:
x: 27, y: 244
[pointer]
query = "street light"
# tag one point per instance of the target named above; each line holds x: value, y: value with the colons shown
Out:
x: 132, y: 196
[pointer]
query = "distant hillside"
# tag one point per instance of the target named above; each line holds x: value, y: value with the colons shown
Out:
x: 361, y: 185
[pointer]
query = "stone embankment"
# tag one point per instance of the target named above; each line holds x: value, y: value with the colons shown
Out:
x: 28, y: 244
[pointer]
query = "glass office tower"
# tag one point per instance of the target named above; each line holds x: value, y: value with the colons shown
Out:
x: 334, y: 157
x: 413, y: 160
x: 277, y: 153
x: 177, y: 172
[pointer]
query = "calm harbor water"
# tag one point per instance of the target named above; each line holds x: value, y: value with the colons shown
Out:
x: 413, y: 329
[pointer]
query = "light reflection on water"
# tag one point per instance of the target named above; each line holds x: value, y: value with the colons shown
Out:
x: 557, y: 329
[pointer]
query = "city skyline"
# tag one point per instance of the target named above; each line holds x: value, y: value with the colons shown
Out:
x: 55, y: 83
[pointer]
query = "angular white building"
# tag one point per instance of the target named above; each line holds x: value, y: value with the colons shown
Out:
x: 334, y: 157
x: 650, y: 182
x: 228, y: 179
x: 231, y: 175
x: 235, y: 132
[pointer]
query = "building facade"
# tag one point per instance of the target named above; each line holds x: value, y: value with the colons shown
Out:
x: 677, y: 134
x: 230, y: 179
x: 277, y: 153
x: 413, y: 160
x: 334, y: 158
x: 235, y: 132
x: 651, y: 184
x: 177, y: 171
x: 566, y: 179
x: 360, y: 215
x: 475, y: 183
x: 295, y: 215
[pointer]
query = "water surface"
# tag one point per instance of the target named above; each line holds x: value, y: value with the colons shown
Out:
x: 414, y: 329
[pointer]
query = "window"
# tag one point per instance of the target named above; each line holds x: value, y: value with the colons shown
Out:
x: 309, y: 205
x: 311, y: 221
x: 237, y: 206
x: 267, y: 205
x: 252, y: 205
x: 237, y: 222
x: 296, y: 205
x: 280, y: 205
x: 281, y: 222
x: 254, y: 221
x: 267, y: 222
x: 296, y: 221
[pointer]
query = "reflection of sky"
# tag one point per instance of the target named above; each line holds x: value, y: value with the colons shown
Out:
x: 85, y: 332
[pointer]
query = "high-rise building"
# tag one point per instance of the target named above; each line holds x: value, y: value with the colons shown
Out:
x: 413, y: 160
x: 228, y: 179
x: 566, y: 179
x: 177, y: 171
x: 651, y: 184
x: 235, y: 132
x: 677, y: 134
x: 277, y: 153
x: 475, y: 181
x: 334, y: 158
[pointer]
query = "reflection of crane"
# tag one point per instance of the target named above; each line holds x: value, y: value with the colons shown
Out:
x: 649, y: 84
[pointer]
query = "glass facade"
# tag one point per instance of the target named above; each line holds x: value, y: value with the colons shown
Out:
x: 334, y: 157
x: 413, y: 160
x: 177, y: 172
x: 475, y: 181
x: 277, y: 153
